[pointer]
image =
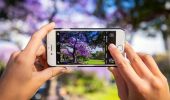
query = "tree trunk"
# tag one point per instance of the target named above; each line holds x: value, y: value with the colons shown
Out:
x: 166, y: 41
x: 74, y: 52
x: 53, y: 13
x: 167, y: 45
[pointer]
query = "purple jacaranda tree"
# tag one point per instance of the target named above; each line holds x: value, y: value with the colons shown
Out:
x: 74, y: 45
x: 26, y: 16
x: 32, y: 12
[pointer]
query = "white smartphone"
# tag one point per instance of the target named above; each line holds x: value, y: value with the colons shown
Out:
x: 83, y: 47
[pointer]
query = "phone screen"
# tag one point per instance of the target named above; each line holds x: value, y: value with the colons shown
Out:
x: 84, y: 47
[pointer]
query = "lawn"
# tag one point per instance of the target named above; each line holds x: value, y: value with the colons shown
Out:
x: 108, y: 93
x: 94, y: 61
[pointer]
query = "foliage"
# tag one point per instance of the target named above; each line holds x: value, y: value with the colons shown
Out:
x: 79, y: 45
x: 147, y: 10
x: 155, y: 13
x: 20, y: 9
x: 86, y: 84
x: 80, y: 82
x: 98, y: 55
x: 74, y: 45
x: 109, y: 93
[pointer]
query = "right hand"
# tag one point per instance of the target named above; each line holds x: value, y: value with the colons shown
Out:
x: 140, y: 79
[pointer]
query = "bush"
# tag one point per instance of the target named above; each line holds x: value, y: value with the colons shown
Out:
x: 98, y: 55
x: 80, y: 82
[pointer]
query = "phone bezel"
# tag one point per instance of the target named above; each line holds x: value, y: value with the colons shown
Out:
x: 51, y: 44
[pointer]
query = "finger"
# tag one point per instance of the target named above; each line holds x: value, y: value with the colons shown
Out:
x: 44, y: 62
x: 124, y: 67
x: 41, y: 54
x: 37, y: 37
x: 39, y: 64
x: 14, y: 54
x: 41, y: 50
x: 48, y: 73
x: 136, y: 62
x: 150, y: 63
x: 120, y: 82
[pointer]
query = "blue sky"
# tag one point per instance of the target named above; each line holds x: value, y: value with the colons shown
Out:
x: 110, y: 4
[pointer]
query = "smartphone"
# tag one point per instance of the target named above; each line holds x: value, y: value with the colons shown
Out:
x: 83, y: 47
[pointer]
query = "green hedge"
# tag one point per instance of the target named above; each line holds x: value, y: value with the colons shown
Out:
x: 81, y: 82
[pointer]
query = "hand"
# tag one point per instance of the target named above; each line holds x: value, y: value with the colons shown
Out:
x: 27, y: 70
x: 140, y: 79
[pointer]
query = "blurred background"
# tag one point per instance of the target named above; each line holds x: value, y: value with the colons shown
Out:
x: 147, y: 25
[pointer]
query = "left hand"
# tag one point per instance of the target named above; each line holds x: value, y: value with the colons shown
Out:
x: 27, y: 70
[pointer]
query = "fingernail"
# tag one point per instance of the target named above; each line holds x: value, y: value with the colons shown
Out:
x: 69, y: 70
x: 127, y: 42
x: 111, y: 46
x: 63, y: 70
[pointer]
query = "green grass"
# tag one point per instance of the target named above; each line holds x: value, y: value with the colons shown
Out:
x: 94, y: 61
x: 109, y: 93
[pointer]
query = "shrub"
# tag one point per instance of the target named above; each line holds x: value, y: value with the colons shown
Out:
x: 81, y: 82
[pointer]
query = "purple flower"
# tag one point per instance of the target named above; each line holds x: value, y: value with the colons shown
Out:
x: 36, y: 9
x: 101, y: 72
x: 2, y: 4
x: 83, y: 49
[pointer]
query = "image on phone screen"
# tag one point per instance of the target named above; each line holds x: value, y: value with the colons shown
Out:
x: 84, y: 47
